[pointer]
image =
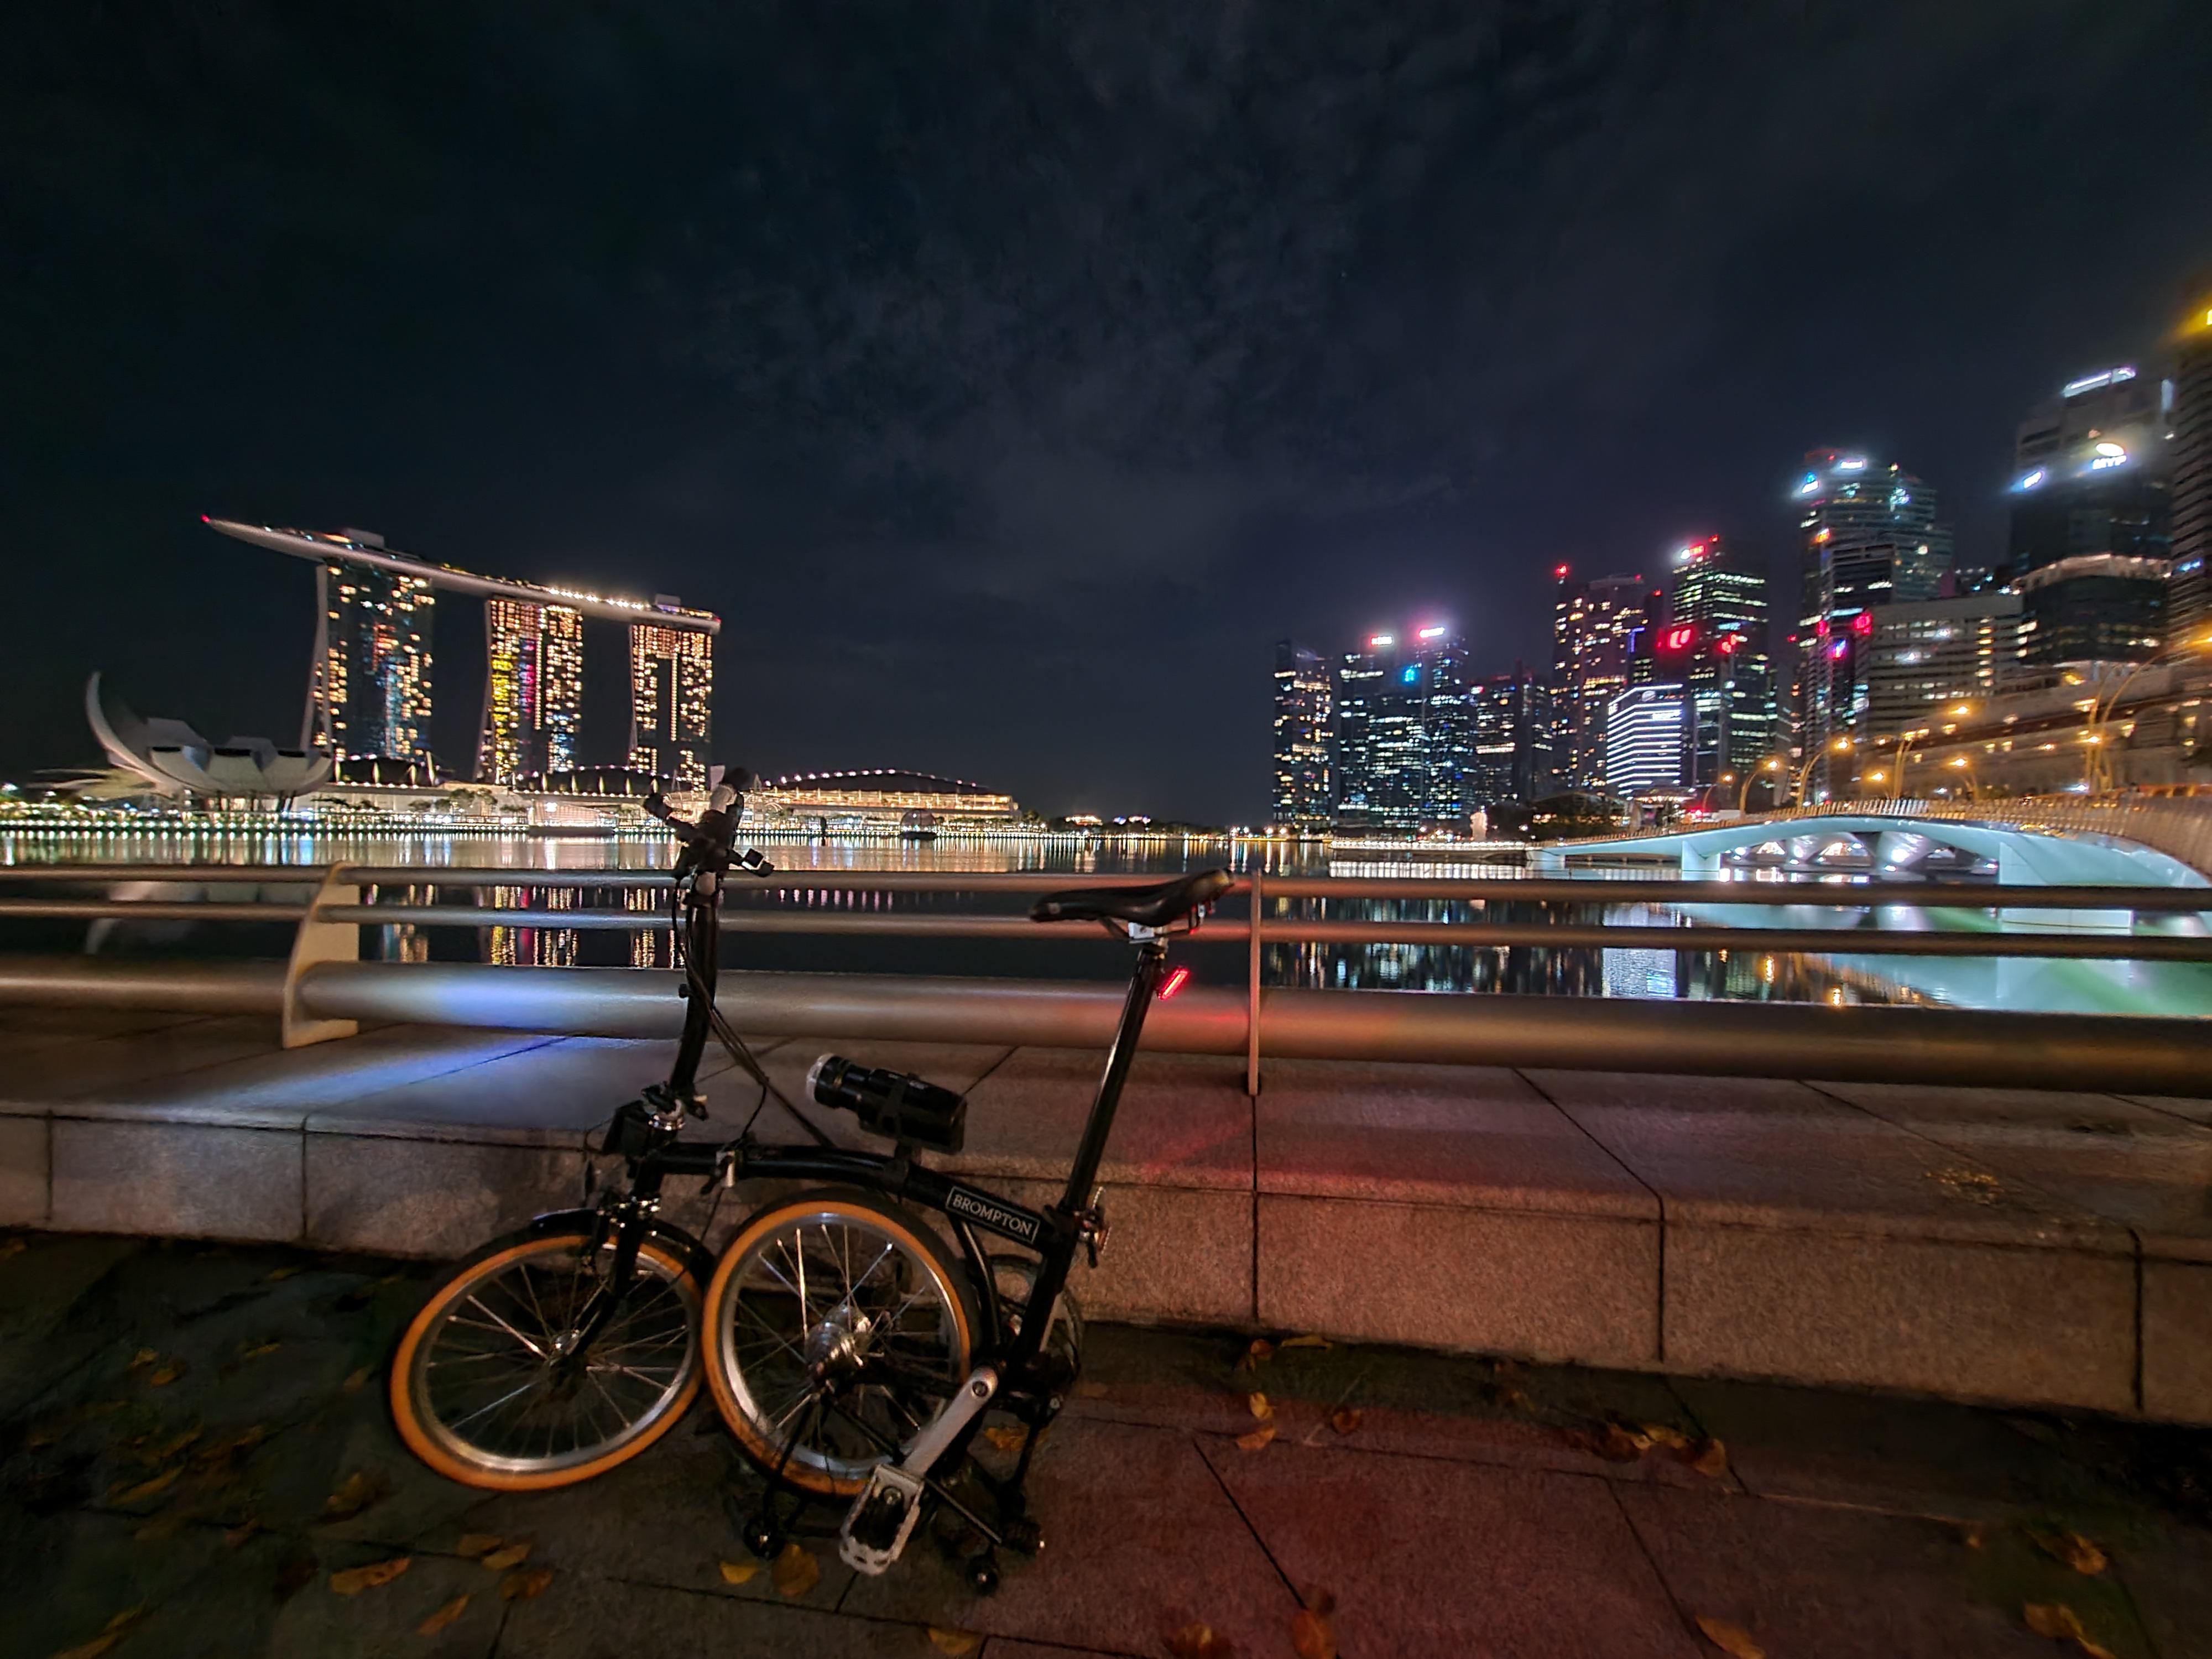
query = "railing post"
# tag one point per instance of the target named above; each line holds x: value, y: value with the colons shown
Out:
x: 319, y: 941
x: 1252, y: 992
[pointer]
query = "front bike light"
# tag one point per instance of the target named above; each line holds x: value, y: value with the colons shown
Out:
x: 889, y: 1102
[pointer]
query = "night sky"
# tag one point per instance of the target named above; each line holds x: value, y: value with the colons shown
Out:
x: 1010, y: 376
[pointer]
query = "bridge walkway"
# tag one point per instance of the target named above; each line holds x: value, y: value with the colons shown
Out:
x: 2017, y: 1247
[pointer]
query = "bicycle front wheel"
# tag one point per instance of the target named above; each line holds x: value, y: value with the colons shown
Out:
x: 836, y: 1327
x: 496, y: 1384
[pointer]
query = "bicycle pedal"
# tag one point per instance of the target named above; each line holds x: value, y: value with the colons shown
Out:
x: 881, y: 1519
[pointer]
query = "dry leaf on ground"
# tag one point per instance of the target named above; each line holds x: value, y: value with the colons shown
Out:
x: 1258, y: 1439
x: 524, y: 1583
x: 275, y: 1273
x: 13, y: 1247
x: 474, y: 1546
x: 258, y: 1349
x: 1256, y: 1403
x: 1196, y: 1641
x: 444, y: 1616
x: 168, y: 1374
x: 239, y: 1534
x: 352, y: 1581
x: 356, y: 1380
x: 2061, y: 1623
x: 160, y: 1527
x: 1710, y: 1459
x: 739, y: 1573
x: 356, y: 1492
x: 501, y: 1560
x: 1313, y: 1628
x: 1660, y: 1434
x: 953, y: 1641
x: 1345, y: 1419
x: 110, y: 1634
x: 142, y: 1359
x: 1308, y: 1340
x: 146, y: 1489
x: 1090, y: 1391
x: 1733, y: 1639
x: 1006, y: 1438
x: 796, y: 1571
x: 2075, y: 1550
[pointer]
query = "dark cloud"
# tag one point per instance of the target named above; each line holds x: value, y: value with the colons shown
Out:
x: 1007, y: 374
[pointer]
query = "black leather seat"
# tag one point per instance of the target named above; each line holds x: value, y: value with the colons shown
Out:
x: 1160, y: 906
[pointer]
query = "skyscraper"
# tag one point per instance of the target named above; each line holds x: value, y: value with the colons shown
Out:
x: 1594, y: 630
x: 370, y: 691
x: 1304, y: 792
x: 1516, y: 755
x: 2091, y: 540
x: 1647, y: 738
x: 1928, y: 655
x: 1727, y: 666
x: 534, y: 690
x: 1404, y: 749
x: 2190, y: 605
x: 1871, y: 537
x: 672, y: 678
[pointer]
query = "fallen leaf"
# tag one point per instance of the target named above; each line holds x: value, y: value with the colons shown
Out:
x: 2070, y: 1547
x: 1618, y: 1445
x: 146, y: 1489
x: 1199, y: 1642
x: 501, y: 1560
x: 354, y: 1380
x: 1309, y: 1339
x: 1345, y: 1419
x: 160, y: 1527
x: 169, y: 1448
x: 739, y: 1573
x: 13, y: 1247
x: 168, y: 1374
x: 1659, y: 1434
x: 444, y: 1616
x: 1973, y: 1535
x: 142, y: 1359
x: 1257, y: 1404
x: 259, y: 1349
x: 1711, y: 1459
x: 1313, y: 1628
x: 128, y: 1616
x: 223, y: 1450
x: 476, y: 1545
x: 91, y: 1649
x: 953, y: 1641
x: 2060, y: 1622
x: 1257, y: 1439
x: 1514, y: 1399
x: 352, y: 1581
x: 1731, y: 1638
x: 796, y: 1571
x: 1261, y: 1351
x: 357, y: 1492
x: 275, y: 1273
x: 1006, y: 1438
x: 524, y: 1583
x: 1090, y: 1391
x: 238, y: 1535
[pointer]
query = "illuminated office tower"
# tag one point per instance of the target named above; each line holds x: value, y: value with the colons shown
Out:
x: 1647, y: 738
x: 1727, y: 668
x: 1593, y: 630
x: 534, y: 690
x: 1303, y: 795
x: 671, y: 680
x: 2189, y: 604
x: 1515, y: 754
x: 1404, y: 750
x: 370, y: 696
x: 1871, y: 537
x: 1927, y: 657
x: 2091, y: 545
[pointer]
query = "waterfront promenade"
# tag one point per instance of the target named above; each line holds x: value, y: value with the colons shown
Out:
x: 2035, y: 1248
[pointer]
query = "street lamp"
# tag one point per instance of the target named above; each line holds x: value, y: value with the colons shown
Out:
x: 1837, y: 746
x: 2100, y: 750
x: 1771, y: 763
x: 1973, y: 785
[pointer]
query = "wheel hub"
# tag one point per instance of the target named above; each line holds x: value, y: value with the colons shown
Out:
x: 837, y: 1344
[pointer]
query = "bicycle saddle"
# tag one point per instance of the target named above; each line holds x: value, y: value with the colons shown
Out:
x: 1146, y: 907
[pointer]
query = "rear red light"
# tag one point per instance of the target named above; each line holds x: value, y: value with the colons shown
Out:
x: 1173, y: 982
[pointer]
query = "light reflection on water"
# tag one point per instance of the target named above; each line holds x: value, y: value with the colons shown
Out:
x: 1746, y: 975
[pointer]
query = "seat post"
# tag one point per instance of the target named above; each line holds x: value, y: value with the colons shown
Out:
x: 1151, y: 957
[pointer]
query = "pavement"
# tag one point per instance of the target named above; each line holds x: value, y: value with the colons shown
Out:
x: 197, y: 1460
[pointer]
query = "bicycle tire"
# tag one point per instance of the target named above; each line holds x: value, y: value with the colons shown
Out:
x: 422, y: 1407
x: 933, y: 1325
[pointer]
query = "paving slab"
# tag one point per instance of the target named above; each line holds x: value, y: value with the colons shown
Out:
x: 1818, y: 1582
x: 25, y: 1029
x: 1760, y: 1153
x: 282, y: 1089
x: 2143, y: 1169
x: 581, y: 1621
x: 425, y: 1197
x: 542, y: 1093
x: 187, y: 1179
x: 26, y: 1170
x: 1478, y: 1136
x: 36, y: 1080
x: 2189, y: 1107
x: 2177, y: 1341
x: 1430, y: 1556
x: 1141, y: 1541
x: 65, y: 1576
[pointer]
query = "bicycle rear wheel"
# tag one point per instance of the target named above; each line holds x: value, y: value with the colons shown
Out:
x: 492, y: 1386
x: 836, y: 1327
